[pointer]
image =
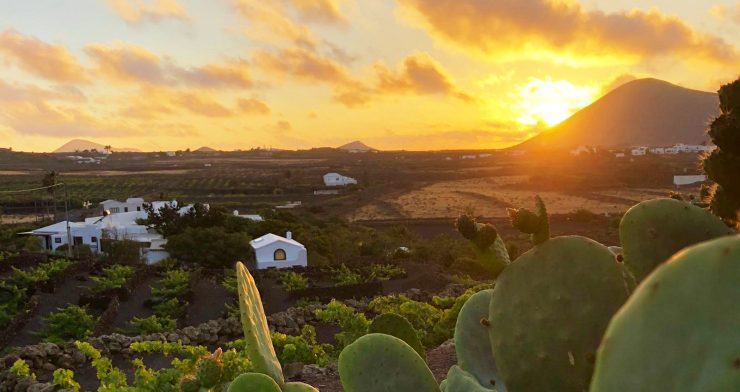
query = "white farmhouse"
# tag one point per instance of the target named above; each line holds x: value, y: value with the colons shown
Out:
x: 336, y: 179
x: 115, y: 206
x: 252, y: 217
x: 280, y: 252
x: 688, y: 179
x: 81, y: 233
x: 639, y: 151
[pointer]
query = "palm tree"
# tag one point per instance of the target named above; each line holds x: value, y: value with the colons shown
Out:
x: 50, y: 178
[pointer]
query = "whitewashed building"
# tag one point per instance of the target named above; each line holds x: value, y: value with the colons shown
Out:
x: 637, y: 151
x: 279, y: 252
x: 253, y: 217
x: 688, y: 179
x: 115, y: 206
x: 336, y: 179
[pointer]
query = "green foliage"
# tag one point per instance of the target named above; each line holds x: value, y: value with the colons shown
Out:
x: 344, y: 276
x: 168, y: 221
x: 290, y: 349
x: 384, y: 272
x: 229, y: 282
x: 40, y: 273
x: 174, y: 283
x: 12, y: 299
x: 64, y: 379
x: 291, y: 280
x: 111, y: 378
x: 210, y: 247
x: 422, y: 316
x: 114, y: 277
x: 151, y: 324
x: 723, y: 164
x: 172, y: 308
x: 121, y: 251
x: 20, y: 369
x: 353, y: 324
x: 69, y: 323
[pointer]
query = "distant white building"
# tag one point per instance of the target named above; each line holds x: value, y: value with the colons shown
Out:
x: 253, y: 217
x: 688, y: 179
x: 619, y: 155
x: 279, y: 252
x: 637, y: 151
x: 582, y: 150
x: 170, y: 154
x: 115, y: 206
x: 336, y: 179
x: 468, y: 157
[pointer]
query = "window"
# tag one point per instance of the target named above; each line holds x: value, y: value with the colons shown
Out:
x: 279, y: 255
x: 58, y: 240
x: 138, y: 208
x: 94, y: 240
x: 77, y: 241
x: 125, y: 209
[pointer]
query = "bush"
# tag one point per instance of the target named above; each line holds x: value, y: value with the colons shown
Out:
x: 121, y: 252
x: 385, y: 272
x: 354, y: 324
x: 151, y: 324
x: 291, y: 280
x: 64, y: 379
x: 20, y: 369
x: 114, y: 277
x: 344, y: 276
x: 40, y: 273
x: 12, y: 299
x: 70, y: 323
x: 209, y: 247
x: 173, y: 284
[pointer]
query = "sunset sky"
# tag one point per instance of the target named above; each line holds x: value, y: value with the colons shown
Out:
x: 396, y: 74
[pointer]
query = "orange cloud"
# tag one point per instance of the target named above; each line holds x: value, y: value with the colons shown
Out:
x: 724, y: 13
x: 269, y: 22
x: 511, y: 25
x: 126, y: 63
x: 326, y: 11
x: 52, y: 62
x: 44, y: 118
x: 252, y: 106
x: 137, y: 11
x: 22, y: 92
x: 418, y: 74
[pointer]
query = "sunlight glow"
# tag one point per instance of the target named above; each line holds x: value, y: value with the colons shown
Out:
x: 550, y: 102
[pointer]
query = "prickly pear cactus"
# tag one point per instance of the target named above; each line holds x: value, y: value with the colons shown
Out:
x: 253, y: 382
x: 458, y: 380
x: 472, y: 344
x: 383, y: 363
x: 534, y: 223
x: 653, y: 230
x: 680, y: 331
x: 210, y: 370
x: 397, y: 325
x: 550, y: 309
x: 256, y: 333
x: 298, y: 387
x: 489, y: 247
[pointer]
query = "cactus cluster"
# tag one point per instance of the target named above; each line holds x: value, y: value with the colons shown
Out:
x: 561, y: 317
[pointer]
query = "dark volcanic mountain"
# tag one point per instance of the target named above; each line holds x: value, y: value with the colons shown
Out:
x: 356, y: 146
x: 644, y: 112
x: 82, y: 145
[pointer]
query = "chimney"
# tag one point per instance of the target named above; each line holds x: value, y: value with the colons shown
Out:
x: 289, y: 235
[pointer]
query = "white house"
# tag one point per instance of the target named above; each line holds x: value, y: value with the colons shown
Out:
x: 619, y: 155
x: 336, y: 179
x: 688, y: 179
x: 252, y: 217
x: 81, y: 233
x: 280, y: 252
x: 639, y: 151
x: 468, y: 157
x: 115, y: 206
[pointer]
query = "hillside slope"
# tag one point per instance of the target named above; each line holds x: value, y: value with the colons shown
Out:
x: 646, y: 112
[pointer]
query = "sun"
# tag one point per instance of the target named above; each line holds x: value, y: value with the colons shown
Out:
x: 550, y: 102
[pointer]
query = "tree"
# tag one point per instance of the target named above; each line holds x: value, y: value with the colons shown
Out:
x: 723, y: 165
x: 50, y: 179
x: 209, y: 247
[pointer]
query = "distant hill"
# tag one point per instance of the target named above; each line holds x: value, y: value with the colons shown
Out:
x: 356, y: 146
x: 205, y: 149
x: 82, y: 145
x: 644, y: 112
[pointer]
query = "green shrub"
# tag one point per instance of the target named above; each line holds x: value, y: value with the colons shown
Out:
x: 64, y: 379
x: 344, y: 276
x: 12, y: 299
x: 40, y: 273
x: 121, y: 251
x: 174, y: 283
x: 384, y: 272
x: 151, y: 324
x: 353, y: 324
x: 70, y: 323
x: 209, y: 247
x: 114, y: 277
x: 172, y: 308
x: 20, y: 369
x: 291, y: 280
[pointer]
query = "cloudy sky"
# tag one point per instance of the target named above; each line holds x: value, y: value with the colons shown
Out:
x: 396, y: 74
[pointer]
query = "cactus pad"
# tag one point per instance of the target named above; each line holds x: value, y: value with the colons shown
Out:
x: 256, y: 333
x: 534, y: 223
x: 654, y: 230
x: 253, y: 382
x: 550, y: 309
x: 472, y: 344
x: 397, y: 325
x: 383, y: 363
x: 298, y: 387
x: 458, y: 380
x: 680, y: 331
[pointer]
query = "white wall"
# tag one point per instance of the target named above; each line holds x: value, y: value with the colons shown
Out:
x: 87, y: 233
x: 294, y: 256
x: 686, y: 180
